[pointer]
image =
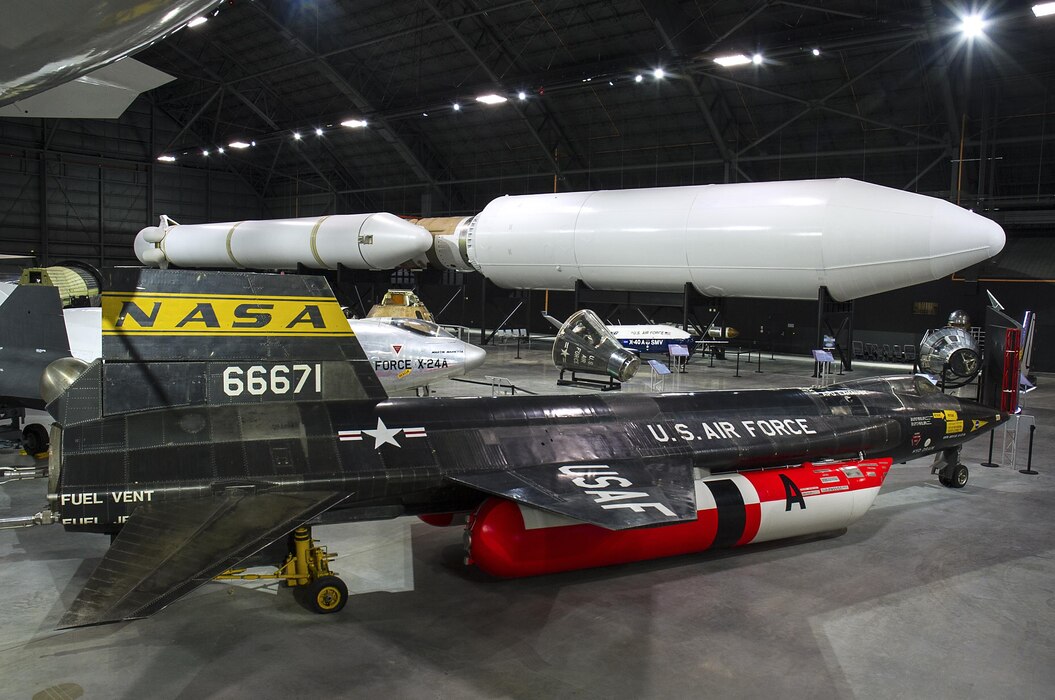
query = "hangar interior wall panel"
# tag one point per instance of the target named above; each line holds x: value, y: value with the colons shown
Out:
x: 82, y: 189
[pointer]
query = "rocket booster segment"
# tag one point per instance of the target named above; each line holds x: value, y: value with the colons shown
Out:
x: 765, y: 239
x: 377, y: 241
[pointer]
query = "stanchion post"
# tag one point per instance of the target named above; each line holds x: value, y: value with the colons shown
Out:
x: 759, y: 370
x: 989, y: 462
x: 1029, y: 455
x: 737, y: 363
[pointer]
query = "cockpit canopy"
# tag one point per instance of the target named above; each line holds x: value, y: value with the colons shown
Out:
x: 419, y: 326
x: 907, y: 385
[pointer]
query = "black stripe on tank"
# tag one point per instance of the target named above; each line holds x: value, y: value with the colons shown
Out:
x: 732, y: 514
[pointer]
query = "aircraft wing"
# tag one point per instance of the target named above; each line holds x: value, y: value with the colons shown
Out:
x: 104, y: 93
x: 616, y: 495
x: 169, y: 548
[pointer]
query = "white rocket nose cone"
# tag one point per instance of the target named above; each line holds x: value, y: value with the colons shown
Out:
x: 142, y: 245
x: 996, y: 237
x: 385, y: 241
x: 474, y: 356
x: 960, y: 238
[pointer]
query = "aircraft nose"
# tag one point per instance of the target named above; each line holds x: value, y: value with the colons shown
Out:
x: 474, y: 356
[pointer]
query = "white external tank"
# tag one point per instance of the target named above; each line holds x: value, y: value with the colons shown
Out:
x: 766, y: 239
x: 377, y: 241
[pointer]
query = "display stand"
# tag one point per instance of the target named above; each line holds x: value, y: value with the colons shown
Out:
x: 822, y: 366
x: 679, y: 356
x: 499, y: 385
x: 576, y: 380
x: 1010, y: 446
x: 659, y: 374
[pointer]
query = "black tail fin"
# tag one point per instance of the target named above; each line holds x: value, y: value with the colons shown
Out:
x: 185, y: 337
x: 32, y: 336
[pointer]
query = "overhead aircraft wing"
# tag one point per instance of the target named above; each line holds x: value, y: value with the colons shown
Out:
x: 616, y: 494
x: 104, y: 93
x: 169, y: 548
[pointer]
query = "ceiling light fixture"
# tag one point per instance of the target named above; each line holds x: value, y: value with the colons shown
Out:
x: 197, y: 21
x: 252, y: 143
x: 205, y: 152
x: 456, y: 107
x: 1044, y: 9
x: 733, y: 60
x: 521, y: 95
x: 491, y: 99
x: 757, y: 59
x: 816, y: 52
x: 972, y: 26
x: 659, y: 74
x: 638, y: 78
x: 318, y: 131
x: 220, y: 149
x: 238, y: 144
x: 354, y: 123
x: 296, y: 136
x: 167, y: 159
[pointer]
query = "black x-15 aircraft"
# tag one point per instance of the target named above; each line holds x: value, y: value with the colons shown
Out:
x: 233, y: 409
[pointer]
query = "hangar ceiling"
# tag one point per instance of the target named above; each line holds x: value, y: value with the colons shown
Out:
x: 894, y: 94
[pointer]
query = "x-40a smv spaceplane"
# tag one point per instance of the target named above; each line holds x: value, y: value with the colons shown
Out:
x: 230, y: 410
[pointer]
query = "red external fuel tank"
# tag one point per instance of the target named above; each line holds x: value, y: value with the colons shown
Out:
x: 511, y: 540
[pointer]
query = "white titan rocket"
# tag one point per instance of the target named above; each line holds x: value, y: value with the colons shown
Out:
x: 765, y: 239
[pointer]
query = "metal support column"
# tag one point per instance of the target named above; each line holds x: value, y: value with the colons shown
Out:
x: 42, y: 258
x: 836, y: 317
x: 483, y: 310
x: 102, y: 227
x: 527, y: 316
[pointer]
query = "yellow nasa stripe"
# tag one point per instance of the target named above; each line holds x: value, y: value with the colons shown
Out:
x: 182, y: 315
x: 209, y: 297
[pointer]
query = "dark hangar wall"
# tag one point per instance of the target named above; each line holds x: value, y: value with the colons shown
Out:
x: 82, y: 189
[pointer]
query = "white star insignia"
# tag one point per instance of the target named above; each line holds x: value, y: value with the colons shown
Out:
x: 383, y: 434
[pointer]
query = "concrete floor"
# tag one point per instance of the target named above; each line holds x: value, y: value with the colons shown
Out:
x: 935, y: 593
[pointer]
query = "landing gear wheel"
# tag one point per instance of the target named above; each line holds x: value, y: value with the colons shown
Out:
x: 956, y: 480
x: 324, y: 595
x: 34, y: 439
